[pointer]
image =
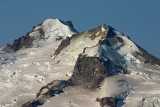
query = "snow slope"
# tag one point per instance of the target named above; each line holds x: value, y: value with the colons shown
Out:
x: 24, y: 72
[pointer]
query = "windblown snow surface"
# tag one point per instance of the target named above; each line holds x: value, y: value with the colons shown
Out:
x: 24, y: 72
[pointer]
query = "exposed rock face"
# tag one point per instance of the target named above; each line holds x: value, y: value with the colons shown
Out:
x: 59, y: 38
x: 22, y: 42
x: 109, y: 32
x: 97, y: 32
x: 149, y: 58
x: 63, y: 44
x: 50, y: 90
x: 107, y: 101
x: 70, y: 23
x: 89, y: 71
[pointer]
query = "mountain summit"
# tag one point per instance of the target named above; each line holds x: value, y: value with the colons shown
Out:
x: 55, y: 65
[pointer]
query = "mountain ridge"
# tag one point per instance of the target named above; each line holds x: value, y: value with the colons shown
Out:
x: 67, y: 60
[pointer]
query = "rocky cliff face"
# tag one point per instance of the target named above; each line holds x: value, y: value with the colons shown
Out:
x: 22, y: 43
x: 148, y: 57
x: 89, y: 71
x: 50, y: 90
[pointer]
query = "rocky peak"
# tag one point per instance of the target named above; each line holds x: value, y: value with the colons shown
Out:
x: 49, y: 31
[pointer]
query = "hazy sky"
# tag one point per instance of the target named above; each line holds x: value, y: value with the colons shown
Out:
x: 139, y: 19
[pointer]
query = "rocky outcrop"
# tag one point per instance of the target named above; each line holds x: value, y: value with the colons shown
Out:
x: 89, y: 71
x: 22, y: 42
x: 107, y: 101
x: 110, y: 32
x: 97, y: 32
x: 50, y: 90
x: 148, y: 57
x: 64, y: 43
x: 108, y: 37
x: 70, y: 23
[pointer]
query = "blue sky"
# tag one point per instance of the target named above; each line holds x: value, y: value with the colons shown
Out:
x: 139, y: 19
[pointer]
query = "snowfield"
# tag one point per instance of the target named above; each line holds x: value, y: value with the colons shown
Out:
x: 24, y: 72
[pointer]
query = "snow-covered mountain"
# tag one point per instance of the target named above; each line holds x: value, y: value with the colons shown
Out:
x: 55, y: 65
